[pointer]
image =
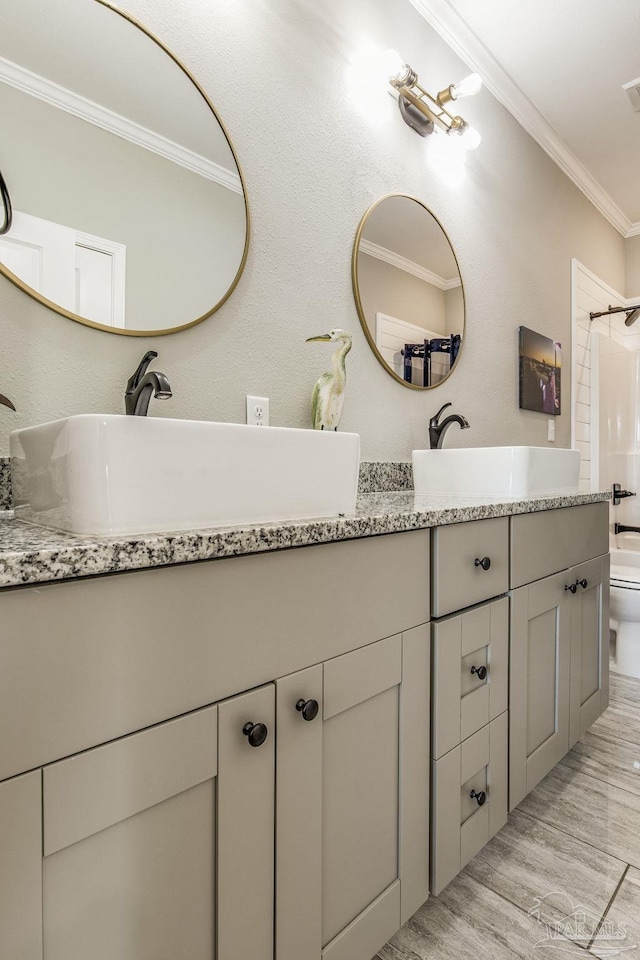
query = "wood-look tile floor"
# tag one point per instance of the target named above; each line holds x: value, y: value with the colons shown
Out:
x: 562, y: 878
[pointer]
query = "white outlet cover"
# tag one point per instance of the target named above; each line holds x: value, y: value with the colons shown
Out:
x: 258, y: 411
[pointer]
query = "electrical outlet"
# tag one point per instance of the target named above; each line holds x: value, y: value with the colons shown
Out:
x: 258, y: 411
x: 551, y: 430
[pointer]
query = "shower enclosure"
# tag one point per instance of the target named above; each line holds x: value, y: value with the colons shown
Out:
x: 617, y: 408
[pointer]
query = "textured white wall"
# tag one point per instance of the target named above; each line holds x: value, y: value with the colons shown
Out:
x: 632, y: 249
x: 313, y: 163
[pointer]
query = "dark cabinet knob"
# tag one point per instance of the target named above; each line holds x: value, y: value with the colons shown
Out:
x: 485, y: 563
x: 480, y: 797
x: 480, y: 672
x: 571, y: 586
x: 583, y: 584
x: 256, y: 733
x: 308, y: 709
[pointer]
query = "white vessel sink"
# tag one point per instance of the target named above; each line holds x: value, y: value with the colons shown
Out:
x: 496, y: 471
x: 96, y: 474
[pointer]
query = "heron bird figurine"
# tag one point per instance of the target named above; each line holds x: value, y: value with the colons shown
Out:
x: 327, y: 398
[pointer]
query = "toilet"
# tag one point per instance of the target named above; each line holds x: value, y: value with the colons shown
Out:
x: 625, y: 611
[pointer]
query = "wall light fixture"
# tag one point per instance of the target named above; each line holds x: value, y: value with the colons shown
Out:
x: 426, y: 114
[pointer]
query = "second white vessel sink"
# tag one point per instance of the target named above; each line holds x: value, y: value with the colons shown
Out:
x: 496, y: 471
x: 111, y: 475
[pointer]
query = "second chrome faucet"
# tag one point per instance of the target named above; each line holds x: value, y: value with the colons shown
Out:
x: 142, y: 384
x: 437, y: 430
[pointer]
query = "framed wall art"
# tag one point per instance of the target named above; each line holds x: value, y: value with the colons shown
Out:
x: 540, y: 373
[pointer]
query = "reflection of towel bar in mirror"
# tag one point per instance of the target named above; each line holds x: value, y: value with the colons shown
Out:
x: 425, y: 351
x: 122, y: 146
x: 408, y: 289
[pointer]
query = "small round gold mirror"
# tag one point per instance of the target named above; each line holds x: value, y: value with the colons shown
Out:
x: 408, y: 291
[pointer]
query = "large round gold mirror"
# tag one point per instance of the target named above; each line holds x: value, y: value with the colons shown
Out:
x: 129, y: 207
x: 408, y: 291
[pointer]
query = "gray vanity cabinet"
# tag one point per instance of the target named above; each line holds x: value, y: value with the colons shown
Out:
x: 539, y: 682
x: 154, y: 843
x: 21, y: 867
x: 469, y: 735
x: 469, y: 800
x: 470, y: 673
x: 559, y: 645
x: 470, y: 563
x: 589, y: 690
x: 352, y: 827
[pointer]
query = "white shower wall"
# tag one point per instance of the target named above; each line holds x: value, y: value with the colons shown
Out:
x: 618, y: 398
x: 588, y: 435
x: 619, y: 429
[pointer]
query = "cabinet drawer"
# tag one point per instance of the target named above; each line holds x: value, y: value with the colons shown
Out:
x: 545, y: 543
x: 460, y: 824
x: 459, y: 579
x: 470, y: 673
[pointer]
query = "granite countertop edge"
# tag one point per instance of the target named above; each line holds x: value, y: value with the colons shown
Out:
x: 32, y: 555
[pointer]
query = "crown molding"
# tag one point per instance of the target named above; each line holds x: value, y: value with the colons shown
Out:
x: 402, y: 263
x: 459, y: 36
x: 78, y: 106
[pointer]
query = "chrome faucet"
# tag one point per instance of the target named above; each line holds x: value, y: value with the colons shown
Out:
x: 437, y: 430
x: 142, y: 384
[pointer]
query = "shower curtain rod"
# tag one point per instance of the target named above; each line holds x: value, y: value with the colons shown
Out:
x: 605, y: 313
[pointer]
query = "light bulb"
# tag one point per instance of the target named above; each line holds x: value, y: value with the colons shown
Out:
x: 470, y: 139
x: 446, y: 158
x: 374, y: 67
x: 369, y: 72
x: 392, y: 64
x: 467, y: 87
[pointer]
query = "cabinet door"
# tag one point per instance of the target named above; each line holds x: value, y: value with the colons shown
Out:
x: 146, y: 842
x: 539, y: 682
x: 589, y: 645
x: 21, y: 867
x: 353, y: 797
x: 246, y: 784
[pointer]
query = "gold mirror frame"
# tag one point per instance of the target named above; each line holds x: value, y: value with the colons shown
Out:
x: 4, y: 271
x: 356, y: 292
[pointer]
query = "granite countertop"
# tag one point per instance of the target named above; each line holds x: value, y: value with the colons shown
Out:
x: 30, y: 554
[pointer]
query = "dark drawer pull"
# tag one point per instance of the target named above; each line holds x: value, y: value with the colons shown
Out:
x: 571, y: 586
x: 308, y: 709
x: 480, y: 672
x: 583, y: 583
x: 485, y: 563
x: 256, y: 733
x: 479, y: 797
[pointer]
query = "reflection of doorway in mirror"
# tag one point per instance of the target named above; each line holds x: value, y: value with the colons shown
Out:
x: 82, y: 273
x: 391, y: 335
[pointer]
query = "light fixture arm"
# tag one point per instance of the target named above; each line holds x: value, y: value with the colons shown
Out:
x: 410, y: 91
